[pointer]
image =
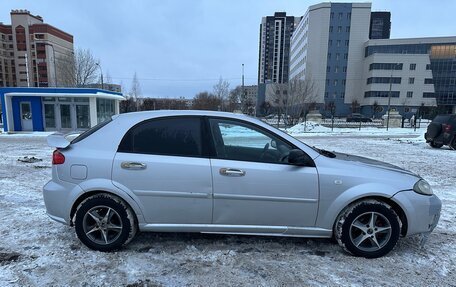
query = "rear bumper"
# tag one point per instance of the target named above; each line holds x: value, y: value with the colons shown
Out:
x: 422, y: 211
x: 57, y: 198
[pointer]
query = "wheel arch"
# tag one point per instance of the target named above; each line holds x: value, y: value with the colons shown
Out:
x: 396, y: 207
x: 90, y: 193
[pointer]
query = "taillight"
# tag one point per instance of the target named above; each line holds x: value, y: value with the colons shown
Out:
x: 58, y: 157
x: 446, y: 128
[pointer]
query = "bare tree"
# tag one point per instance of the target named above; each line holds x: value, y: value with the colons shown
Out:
x: 277, y: 94
x: 234, y: 99
x: 355, y: 106
x: 221, y: 91
x: 78, y: 69
x: 135, y: 90
x: 299, y: 98
x: 206, y: 101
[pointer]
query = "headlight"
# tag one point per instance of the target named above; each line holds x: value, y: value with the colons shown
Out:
x: 422, y: 187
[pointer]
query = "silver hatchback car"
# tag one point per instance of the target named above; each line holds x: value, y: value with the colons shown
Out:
x: 215, y: 172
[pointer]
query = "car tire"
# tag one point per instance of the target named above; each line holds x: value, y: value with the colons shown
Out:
x: 435, y: 145
x: 368, y: 229
x: 104, y: 222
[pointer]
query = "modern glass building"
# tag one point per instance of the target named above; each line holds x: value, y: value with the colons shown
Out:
x: 56, y: 109
x: 442, y: 64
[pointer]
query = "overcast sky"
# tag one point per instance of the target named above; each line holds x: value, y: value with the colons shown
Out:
x: 178, y: 48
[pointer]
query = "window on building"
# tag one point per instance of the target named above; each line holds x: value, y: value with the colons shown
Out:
x: 428, y: 66
x: 385, y: 66
x: 105, y: 109
x: 428, y: 95
x: 326, y: 94
x: 330, y: 29
x: 329, y: 55
x: 409, y: 94
x: 327, y: 82
x: 332, y: 15
x: 412, y: 66
x: 347, y: 29
x: 344, y: 82
x: 340, y: 15
x: 328, y: 69
x: 337, y: 56
x: 339, y: 29
x: 428, y: 81
x: 344, y: 69
x: 335, y: 83
x: 349, y: 15
x: 411, y: 80
x: 381, y: 94
x: 330, y: 42
x: 347, y: 42
x: 336, y: 69
x: 338, y: 43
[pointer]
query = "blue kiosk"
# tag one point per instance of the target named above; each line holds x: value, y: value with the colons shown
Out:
x: 56, y: 109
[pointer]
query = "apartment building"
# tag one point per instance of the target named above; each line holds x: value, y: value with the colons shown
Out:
x: 331, y: 47
x: 31, y: 51
x: 274, y: 50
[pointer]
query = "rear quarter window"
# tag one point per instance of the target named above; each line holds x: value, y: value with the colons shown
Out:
x: 91, y: 131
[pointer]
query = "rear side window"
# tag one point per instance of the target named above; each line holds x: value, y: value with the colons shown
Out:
x: 90, y: 131
x: 180, y: 136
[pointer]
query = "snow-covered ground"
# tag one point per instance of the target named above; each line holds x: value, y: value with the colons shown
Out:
x: 34, y: 250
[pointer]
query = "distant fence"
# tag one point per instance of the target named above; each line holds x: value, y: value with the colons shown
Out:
x: 342, y: 123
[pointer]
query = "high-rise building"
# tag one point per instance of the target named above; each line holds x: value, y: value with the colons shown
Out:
x: 274, y: 56
x: 380, y: 25
x: 30, y: 51
x: 331, y: 47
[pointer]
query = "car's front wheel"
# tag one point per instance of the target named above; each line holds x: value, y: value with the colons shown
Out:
x: 368, y: 228
x: 104, y: 222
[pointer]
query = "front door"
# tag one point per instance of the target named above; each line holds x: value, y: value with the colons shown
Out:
x: 253, y: 182
x: 161, y: 162
x: 26, y: 116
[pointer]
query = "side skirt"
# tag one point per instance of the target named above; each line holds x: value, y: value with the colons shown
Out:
x: 240, y: 229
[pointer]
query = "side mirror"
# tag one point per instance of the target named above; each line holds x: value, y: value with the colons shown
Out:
x: 300, y: 158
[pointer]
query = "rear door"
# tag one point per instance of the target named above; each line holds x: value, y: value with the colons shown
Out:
x: 253, y: 182
x: 162, y: 162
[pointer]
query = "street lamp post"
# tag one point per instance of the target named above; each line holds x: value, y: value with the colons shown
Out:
x: 101, y: 71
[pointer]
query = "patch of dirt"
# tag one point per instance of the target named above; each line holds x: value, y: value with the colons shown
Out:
x: 7, y: 257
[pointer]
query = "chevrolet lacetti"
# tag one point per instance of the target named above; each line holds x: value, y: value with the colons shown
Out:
x: 215, y: 172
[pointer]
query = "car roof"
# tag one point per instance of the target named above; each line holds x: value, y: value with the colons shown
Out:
x: 163, y: 113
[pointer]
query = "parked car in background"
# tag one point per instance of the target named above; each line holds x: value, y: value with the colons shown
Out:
x: 442, y: 131
x: 358, y: 118
x: 215, y: 172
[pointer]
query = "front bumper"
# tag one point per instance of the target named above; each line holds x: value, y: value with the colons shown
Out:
x: 422, y: 211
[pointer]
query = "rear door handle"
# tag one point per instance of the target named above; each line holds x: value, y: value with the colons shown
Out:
x: 231, y: 172
x: 133, y: 165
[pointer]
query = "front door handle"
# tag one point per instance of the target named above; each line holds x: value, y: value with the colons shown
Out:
x: 133, y: 165
x: 231, y: 172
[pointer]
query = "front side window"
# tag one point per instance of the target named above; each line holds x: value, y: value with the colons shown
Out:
x: 180, y: 136
x: 239, y: 141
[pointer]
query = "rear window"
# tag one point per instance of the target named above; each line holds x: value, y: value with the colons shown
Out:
x: 179, y: 136
x: 90, y: 131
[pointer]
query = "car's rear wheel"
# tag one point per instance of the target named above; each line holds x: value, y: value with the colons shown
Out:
x: 369, y: 229
x: 104, y: 222
x: 435, y: 145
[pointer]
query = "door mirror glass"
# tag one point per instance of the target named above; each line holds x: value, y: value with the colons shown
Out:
x: 300, y: 158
